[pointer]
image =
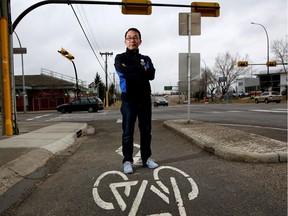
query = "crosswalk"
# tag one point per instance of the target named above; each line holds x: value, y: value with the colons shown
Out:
x: 254, y: 110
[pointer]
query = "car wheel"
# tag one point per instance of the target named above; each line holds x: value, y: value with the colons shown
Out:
x: 277, y: 101
x: 155, y: 105
x: 90, y: 109
x: 256, y: 101
x: 63, y: 110
x: 266, y: 101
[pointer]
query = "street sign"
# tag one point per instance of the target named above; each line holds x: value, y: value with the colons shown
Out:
x: 194, y: 72
x: 20, y: 50
x: 167, y: 88
x: 195, y: 24
x: 207, y: 9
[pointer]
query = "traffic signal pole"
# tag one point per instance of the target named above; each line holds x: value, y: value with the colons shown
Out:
x: 6, y: 82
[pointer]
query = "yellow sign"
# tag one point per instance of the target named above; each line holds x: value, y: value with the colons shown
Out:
x: 207, y: 9
x: 140, y: 7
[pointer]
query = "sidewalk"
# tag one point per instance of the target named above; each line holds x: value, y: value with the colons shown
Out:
x: 21, y: 155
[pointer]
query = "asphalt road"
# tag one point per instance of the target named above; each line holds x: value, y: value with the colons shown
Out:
x: 268, y: 120
x: 189, y: 181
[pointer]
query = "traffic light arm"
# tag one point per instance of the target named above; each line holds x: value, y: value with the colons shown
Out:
x: 39, y: 4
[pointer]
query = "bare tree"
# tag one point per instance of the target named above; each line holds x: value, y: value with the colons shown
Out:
x: 208, y: 82
x: 280, y: 50
x: 226, y: 71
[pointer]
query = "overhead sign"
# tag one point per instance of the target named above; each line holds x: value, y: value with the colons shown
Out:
x: 207, y: 9
x: 195, y: 24
x: 20, y: 50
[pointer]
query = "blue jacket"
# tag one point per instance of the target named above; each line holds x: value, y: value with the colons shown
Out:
x: 134, y: 79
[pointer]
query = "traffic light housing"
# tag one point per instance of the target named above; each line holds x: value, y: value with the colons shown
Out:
x: 207, y: 9
x: 66, y: 54
x: 63, y: 52
x: 140, y: 7
x: 70, y: 56
x: 242, y: 63
x: 271, y: 64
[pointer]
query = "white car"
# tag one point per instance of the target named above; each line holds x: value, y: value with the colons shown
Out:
x: 269, y: 96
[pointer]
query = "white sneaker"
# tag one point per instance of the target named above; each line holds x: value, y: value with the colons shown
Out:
x: 127, y: 167
x: 151, y: 164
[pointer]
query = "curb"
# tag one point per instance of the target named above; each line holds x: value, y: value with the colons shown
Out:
x: 224, y: 152
x: 16, y: 170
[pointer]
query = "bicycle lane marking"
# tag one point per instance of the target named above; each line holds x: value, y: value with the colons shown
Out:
x: 138, y: 199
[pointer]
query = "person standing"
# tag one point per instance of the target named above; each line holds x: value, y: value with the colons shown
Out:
x: 135, y: 72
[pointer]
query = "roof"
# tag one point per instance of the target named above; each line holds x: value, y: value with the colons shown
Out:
x: 42, y: 81
x: 272, y: 71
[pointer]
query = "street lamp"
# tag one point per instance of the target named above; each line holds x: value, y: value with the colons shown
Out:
x: 23, y: 77
x: 267, y: 45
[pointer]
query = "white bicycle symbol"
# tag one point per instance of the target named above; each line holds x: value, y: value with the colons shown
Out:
x: 163, y: 192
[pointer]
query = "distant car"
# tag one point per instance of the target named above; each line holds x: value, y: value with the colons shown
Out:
x: 269, y: 96
x: 160, y: 101
x: 83, y: 104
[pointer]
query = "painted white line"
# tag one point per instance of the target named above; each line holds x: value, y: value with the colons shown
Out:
x: 271, y: 111
x: 253, y: 126
x: 178, y: 197
x: 136, y: 158
x: 37, y: 117
x: 138, y: 199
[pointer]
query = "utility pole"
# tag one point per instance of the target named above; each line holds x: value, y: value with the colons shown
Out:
x: 106, y: 76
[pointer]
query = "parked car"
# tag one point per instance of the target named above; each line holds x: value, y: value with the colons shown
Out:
x: 83, y: 104
x: 269, y: 96
x: 160, y: 101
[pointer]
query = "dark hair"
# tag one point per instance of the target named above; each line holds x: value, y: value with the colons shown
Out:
x: 133, y: 29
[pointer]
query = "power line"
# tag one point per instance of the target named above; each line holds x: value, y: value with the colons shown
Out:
x: 87, y: 38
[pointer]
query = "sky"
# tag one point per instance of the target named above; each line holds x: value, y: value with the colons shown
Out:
x: 46, y: 29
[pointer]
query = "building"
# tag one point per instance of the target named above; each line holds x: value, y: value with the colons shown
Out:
x: 45, y: 91
x: 276, y: 79
x: 247, y: 85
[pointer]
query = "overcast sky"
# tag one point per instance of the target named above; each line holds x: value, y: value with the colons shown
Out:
x: 50, y: 27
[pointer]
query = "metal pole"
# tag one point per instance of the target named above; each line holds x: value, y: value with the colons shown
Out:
x: 267, y: 46
x: 23, y: 77
x: 189, y: 66
x: 77, y: 88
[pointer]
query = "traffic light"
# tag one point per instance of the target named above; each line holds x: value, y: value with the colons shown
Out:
x: 140, y: 7
x: 66, y: 54
x: 207, y: 9
x: 70, y: 57
x: 271, y: 64
x: 242, y: 63
x: 63, y: 52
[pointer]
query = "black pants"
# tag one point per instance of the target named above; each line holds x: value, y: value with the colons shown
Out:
x: 130, y: 111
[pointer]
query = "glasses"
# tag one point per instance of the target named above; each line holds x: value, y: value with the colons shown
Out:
x: 132, y: 38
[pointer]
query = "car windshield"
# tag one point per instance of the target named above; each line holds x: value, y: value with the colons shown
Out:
x: 160, y: 98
